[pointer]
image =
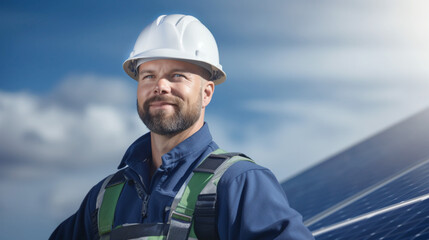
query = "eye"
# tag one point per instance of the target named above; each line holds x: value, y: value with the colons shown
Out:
x: 178, y: 75
x: 147, y: 76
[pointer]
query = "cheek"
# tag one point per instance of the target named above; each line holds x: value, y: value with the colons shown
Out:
x: 142, y: 91
x: 181, y: 91
x: 191, y: 95
x: 141, y: 97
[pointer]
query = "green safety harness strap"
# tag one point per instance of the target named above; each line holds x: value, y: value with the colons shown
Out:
x: 193, y: 211
x: 150, y: 231
x: 199, y: 197
x: 106, y: 203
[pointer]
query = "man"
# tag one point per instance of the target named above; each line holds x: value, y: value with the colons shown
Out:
x: 158, y: 193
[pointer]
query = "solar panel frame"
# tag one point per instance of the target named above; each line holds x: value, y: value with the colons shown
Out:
x: 393, y: 191
x: 386, y: 174
x: 339, y: 178
x: 400, y: 222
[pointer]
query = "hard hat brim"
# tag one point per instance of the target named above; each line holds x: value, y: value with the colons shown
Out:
x: 218, y: 75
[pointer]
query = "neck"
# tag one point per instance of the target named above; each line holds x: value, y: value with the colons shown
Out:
x: 162, y: 144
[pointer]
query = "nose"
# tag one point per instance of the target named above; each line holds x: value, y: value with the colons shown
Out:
x: 162, y: 86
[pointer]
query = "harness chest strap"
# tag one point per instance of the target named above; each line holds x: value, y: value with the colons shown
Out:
x: 193, y: 210
x: 195, y: 214
x: 107, y: 200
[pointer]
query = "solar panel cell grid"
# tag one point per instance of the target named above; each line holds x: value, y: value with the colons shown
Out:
x: 410, y: 222
x: 410, y: 185
x: 328, y: 197
x: 360, y: 167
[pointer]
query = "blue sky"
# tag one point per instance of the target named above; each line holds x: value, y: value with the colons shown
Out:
x: 306, y: 79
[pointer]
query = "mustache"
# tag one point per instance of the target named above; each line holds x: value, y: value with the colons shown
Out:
x: 162, y: 98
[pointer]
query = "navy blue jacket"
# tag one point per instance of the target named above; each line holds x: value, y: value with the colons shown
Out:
x: 251, y: 202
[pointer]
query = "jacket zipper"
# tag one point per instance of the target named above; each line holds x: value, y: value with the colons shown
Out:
x: 142, y: 193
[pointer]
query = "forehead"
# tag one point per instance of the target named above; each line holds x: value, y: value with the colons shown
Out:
x: 168, y: 65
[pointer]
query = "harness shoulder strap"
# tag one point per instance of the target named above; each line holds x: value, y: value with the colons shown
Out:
x: 195, y: 215
x: 106, y: 202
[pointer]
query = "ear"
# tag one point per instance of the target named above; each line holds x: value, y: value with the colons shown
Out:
x: 207, y: 92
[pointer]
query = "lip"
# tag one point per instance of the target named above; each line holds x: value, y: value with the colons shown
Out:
x: 160, y: 104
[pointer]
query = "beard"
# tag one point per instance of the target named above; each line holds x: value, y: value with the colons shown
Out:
x: 167, y: 124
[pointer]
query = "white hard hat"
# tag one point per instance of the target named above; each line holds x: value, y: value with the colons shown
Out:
x: 179, y: 37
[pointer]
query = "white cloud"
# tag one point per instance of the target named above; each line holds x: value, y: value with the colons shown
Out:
x: 333, y: 63
x: 331, y: 41
x: 81, y: 90
x: 56, y: 133
x: 328, y: 22
x: 308, y: 130
x: 55, y: 147
x: 308, y: 133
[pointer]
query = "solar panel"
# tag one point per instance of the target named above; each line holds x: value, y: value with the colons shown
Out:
x: 377, y: 158
x: 406, y: 221
x: 409, y: 184
x: 377, y: 189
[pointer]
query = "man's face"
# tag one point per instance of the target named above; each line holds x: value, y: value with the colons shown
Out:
x: 169, y: 95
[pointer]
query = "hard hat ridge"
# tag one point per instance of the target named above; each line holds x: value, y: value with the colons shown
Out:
x: 180, y: 37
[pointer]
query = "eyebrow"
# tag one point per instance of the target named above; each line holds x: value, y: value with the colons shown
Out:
x: 146, y: 71
x: 171, y: 71
x: 180, y: 70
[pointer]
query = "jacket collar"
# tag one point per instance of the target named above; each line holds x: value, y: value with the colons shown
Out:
x: 140, y: 150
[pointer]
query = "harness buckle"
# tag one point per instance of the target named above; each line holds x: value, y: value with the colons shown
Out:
x: 181, y: 217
